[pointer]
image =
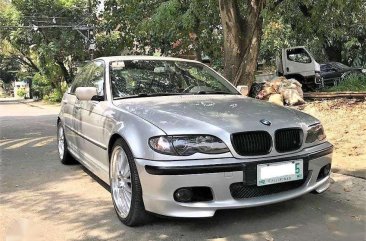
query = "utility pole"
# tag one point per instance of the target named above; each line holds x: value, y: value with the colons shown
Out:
x: 91, y: 31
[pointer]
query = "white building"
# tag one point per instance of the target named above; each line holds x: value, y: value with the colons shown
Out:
x: 21, y: 85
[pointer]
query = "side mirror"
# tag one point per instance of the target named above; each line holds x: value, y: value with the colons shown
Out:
x: 86, y: 93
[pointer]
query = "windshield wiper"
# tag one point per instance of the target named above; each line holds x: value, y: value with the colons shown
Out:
x: 146, y: 95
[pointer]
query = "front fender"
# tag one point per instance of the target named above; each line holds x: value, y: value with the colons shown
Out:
x: 136, y: 133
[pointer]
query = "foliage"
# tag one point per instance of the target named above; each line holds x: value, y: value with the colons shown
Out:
x: 41, y: 86
x: 9, y: 66
x: 21, y: 92
x: 172, y: 27
x: 55, y: 95
x: 333, y: 30
x: 353, y: 82
x: 48, y: 50
x: 276, y: 36
x: 47, y: 53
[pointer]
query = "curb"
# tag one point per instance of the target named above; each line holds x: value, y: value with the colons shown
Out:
x: 15, y: 101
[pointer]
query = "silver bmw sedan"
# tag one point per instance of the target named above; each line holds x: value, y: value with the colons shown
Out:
x: 173, y: 137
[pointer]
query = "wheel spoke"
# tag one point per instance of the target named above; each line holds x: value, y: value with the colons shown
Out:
x: 121, y: 181
x: 122, y: 163
x: 128, y: 198
x: 128, y: 190
x: 126, y: 171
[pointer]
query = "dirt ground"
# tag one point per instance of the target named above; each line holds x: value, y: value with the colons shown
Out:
x: 344, y: 121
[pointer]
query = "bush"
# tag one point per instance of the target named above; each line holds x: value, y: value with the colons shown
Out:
x: 55, y: 96
x: 21, y: 92
x: 42, y: 89
x: 353, y: 82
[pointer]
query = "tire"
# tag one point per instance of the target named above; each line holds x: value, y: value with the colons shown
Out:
x: 125, y: 186
x: 64, y: 154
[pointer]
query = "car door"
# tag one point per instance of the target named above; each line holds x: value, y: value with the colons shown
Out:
x: 298, y: 61
x: 70, y: 113
x: 91, y: 121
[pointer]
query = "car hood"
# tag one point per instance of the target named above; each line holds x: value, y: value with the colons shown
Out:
x: 207, y: 114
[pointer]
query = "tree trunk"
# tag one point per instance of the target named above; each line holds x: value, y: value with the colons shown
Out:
x: 232, y: 24
x: 64, y: 71
x: 242, y: 38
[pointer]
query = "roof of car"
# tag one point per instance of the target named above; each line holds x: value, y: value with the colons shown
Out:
x: 142, y: 57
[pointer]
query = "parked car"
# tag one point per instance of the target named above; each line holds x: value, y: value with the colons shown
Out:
x: 333, y: 73
x: 173, y: 137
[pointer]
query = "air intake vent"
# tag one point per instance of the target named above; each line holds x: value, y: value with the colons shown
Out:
x: 239, y: 190
x: 288, y: 139
x: 252, y: 143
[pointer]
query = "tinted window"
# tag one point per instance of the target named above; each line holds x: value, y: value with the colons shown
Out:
x: 92, y: 75
x: 298, y: 55
x: 326, y: 68
x: 136, y: 77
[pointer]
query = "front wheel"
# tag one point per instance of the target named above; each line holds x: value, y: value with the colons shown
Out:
x: 125, y: 186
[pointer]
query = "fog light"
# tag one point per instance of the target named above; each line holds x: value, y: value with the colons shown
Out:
x: 326, y: 170
x: 183, y: 195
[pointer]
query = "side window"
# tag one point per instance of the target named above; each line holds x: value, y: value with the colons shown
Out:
x: 298, y: 55
x: 96, y: 77
x: 92, y: 75
x: 79, y: 79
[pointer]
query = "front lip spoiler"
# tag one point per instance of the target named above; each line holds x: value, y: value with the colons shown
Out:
x: 201, y: 169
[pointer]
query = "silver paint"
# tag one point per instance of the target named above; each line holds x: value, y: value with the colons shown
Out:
x: 89, y: 128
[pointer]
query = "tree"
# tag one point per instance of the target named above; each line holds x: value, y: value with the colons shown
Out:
x: 242, y: 34
x: 9, y: 66
x: 175, y: 27
x: 41, y: 43
x: 334, y: 30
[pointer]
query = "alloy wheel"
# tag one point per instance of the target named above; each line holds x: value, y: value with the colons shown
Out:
x: 121, y: 186
x: 61, y: 142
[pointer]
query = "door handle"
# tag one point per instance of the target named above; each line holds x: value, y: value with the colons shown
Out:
x: 77, y: 106
x: 287, y: 69
x: 64, y: 101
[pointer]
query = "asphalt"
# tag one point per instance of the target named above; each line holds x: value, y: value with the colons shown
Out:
x: 41, y: 199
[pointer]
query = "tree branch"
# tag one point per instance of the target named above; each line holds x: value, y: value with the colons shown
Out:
x: 25, y: 60
x: 275, y: 4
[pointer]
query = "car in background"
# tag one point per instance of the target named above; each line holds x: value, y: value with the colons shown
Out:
x: 173, y: 137
x: 333, y: 73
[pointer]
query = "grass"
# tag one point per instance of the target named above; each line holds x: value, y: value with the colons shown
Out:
x: 354, y: 82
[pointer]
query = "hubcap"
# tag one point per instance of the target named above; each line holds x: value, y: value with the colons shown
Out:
x: 121, y: 181
x: 61, y: 142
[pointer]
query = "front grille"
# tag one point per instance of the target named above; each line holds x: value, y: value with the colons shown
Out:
x: 288, y: 139
x: 252, y: 143
x: 239, y: 190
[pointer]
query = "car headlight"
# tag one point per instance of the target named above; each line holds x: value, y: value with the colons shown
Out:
x: 187, y: 145
x: 363, y: 71
x: 315, y: 132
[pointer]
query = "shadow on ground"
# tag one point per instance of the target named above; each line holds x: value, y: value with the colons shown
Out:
x: 36, y: 186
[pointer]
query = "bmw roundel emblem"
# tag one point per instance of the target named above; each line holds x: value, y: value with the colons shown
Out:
x: 265, y: 122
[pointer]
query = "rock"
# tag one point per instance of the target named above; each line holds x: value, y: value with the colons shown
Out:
x: 276, y: 99
x: 292, y: 97
x: 243, y: 89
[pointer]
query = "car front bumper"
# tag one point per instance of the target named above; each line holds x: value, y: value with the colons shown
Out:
x: 160, y: 179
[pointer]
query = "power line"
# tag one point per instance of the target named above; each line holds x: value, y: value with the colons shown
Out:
x: 84, y: 27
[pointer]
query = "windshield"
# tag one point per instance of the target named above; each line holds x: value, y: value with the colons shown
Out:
x: 140, y: 78
x: 341, y: 66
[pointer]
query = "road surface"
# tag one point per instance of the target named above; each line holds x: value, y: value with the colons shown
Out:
x: 40, y: 199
